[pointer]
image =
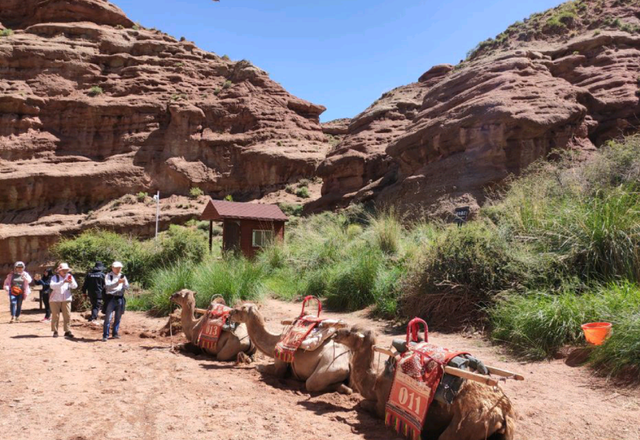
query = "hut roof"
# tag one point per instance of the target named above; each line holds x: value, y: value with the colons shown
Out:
x: 221, y: 209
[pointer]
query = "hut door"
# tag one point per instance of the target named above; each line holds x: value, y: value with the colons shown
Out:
x: 231, y: 236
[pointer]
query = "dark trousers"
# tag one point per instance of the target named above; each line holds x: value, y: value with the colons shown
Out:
x: 96, y: 305
x: 115, y: 305
x: 47, y: 306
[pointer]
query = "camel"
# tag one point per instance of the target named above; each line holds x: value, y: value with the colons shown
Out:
x: 230, y: 345
x: 325, y: 369
x: 478, y: 412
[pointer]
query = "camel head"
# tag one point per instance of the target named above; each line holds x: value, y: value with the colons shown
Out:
x: 356, y: 338
x: 243, y: 313
x: 184, y: 297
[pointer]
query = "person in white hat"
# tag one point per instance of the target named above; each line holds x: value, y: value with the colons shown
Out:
x: 62, y: 283
x: 115, y: 286
x: 17, y: 285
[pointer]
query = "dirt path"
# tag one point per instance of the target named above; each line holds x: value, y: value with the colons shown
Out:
x: 135, y: 388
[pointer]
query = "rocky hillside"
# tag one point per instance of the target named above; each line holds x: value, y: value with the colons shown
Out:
x: 93, y: 108
x: 564, y: 79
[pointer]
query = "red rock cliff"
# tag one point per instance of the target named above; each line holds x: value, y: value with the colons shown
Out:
x: 93, y: 107
x: 566, y: 78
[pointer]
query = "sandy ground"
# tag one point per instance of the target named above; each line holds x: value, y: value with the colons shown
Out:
x: 136, y: 388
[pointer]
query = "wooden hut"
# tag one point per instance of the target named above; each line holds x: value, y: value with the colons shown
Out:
x: 245, y: 226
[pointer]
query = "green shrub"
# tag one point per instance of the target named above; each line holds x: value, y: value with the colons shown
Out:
x: 6, y: 32
x: 180, y: 244
x: 460, y: 274
x: 291, y: 210
x: 142, y: 196
x: 303, y: 192
x: 96, y: 91
x: 195, y: 192
x: 229, y: 198
x: 82, y: 252
x: 140, y: 258
x: 227, y: 84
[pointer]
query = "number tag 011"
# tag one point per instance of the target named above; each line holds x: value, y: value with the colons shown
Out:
x: 410, y: 396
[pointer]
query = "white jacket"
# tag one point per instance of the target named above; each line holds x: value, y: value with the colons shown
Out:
x: 60, y: 289
x: 112, y: 285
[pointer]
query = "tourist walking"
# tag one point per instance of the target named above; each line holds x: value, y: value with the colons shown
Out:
x: 17, y: 284
x: 62, y: 283
x: 94, y: 287
x: 116, y: 285
x: 44, y: 280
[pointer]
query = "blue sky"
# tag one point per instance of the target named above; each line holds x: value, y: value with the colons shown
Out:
x: 341, y: 54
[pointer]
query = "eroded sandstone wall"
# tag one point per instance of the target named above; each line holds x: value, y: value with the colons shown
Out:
x: 93, y: 107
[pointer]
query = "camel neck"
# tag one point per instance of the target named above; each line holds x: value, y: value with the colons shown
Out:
x: 363, y: 372
x: 188, y: 319
x: 260, y: 336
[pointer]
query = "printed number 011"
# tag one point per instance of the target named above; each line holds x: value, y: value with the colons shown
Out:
x: 409, y: 397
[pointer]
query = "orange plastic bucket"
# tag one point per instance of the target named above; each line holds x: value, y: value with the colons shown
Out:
x: 596, y: 332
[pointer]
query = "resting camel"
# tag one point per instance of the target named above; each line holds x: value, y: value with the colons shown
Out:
x: 324, y: 369
x: 478, y: 412
x: 230, y: 345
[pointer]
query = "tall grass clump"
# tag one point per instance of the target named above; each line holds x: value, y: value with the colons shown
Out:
x: 353, y: 259
x: 620, y: 355
x: 538, y: 324
x: 584, y: 215
x: 235, y: 278
x: 164, y: 282
x: 388, y: 231
x: 354, y: 280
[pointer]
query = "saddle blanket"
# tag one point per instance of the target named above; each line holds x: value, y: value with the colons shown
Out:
x: 211, y: 330
x: 418, y: 374
x: 294, y: 337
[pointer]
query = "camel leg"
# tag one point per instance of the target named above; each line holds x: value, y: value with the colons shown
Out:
x: 325, y: 381
x: 277, y: 369
x: 228, y: 352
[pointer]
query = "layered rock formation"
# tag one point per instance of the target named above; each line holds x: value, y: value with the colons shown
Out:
x: 93, y: 107
x: 572, y: 86
x: 360, y: 160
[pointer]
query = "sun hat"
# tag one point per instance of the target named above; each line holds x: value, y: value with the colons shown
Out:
x: 99, y: 266
x: 63, y: 266
x: 19, y: 264
x: 116, y: 264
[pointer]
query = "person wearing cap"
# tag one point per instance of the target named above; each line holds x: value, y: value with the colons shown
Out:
x: 94, y: 286
x: 115, y: 286
x: 62, y: 283
x: 44, y: 280
x: 17, y: 284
